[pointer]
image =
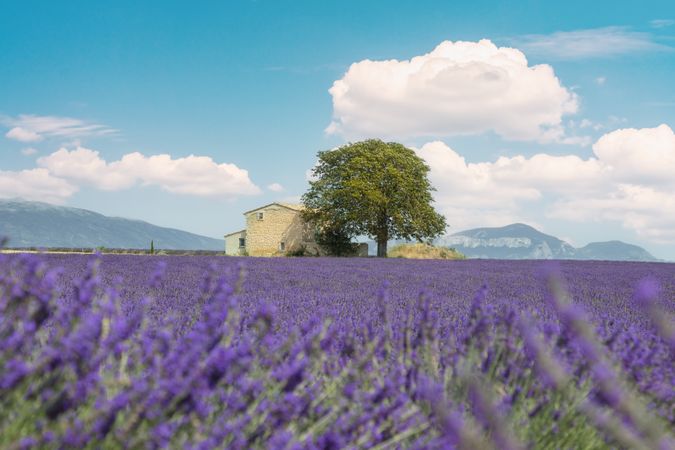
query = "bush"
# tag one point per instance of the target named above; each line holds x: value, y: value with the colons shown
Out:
x: 424, y: 251
x: 334, y: 241
x: 298, y: 251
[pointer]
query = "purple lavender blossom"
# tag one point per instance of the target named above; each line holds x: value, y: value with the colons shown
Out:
x: 329, y: 353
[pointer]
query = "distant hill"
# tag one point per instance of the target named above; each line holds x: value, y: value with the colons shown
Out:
x: 36, y: 224
x: 515, y: 241
x: 520, y: 241
x: 614, y: 251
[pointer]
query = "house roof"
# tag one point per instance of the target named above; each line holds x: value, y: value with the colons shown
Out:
x: 293, y: 206
x: 235, y: 232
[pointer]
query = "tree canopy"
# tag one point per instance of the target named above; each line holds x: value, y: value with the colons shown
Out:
x: 373, y: 188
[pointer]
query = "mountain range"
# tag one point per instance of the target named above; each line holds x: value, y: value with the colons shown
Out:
x: 37, y: 224
x: 520, y: 241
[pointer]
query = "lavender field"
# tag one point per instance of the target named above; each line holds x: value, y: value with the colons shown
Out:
x: 127, y: 351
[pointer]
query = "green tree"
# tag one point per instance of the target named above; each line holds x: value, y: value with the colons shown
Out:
x: 373, y: 188
x: 335, y: 241
x: 152, y: 247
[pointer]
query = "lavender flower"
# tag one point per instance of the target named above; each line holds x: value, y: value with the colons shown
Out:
x: 309, y: 353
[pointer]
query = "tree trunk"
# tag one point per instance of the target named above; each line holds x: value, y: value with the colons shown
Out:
x: 382, y: 248
x: 382, y: 235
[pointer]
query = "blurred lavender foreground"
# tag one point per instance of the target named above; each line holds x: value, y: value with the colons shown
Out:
x: 195, y: 352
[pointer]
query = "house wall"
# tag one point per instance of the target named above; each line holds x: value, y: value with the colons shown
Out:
x: 279, y: 224
x: 299, y: 235
x: 362, y: 250
x: 232, y: 244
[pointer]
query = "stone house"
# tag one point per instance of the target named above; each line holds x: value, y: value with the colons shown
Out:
x: 274, y: 230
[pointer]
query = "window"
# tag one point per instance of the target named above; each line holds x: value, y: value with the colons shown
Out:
x: 259, y: 216
x: 282, y: 246
x: 242, y: 242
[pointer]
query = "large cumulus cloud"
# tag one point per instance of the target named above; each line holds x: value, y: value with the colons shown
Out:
x: 628, y: 180
x: 458, y: 88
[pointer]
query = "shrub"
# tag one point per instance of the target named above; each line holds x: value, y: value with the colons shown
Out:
x: 424, y: 251
x: 300, y: 250
x: 334, y: 241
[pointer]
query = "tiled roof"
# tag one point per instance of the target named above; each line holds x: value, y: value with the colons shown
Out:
x: 293, y: 206
x: 235, y: 232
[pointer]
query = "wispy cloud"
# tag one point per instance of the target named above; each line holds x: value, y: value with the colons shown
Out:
x: 661, y: 23
x: 34, y: 128
x: 23, y: 135
x: 590, y: 43
x: 275, y: 187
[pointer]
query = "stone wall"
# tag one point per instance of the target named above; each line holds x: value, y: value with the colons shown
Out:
x: 278, y: 225
x: 300, y: 236
x: 362, y: 250
x: 232, y: 243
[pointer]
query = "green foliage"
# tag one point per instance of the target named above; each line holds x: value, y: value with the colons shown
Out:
x: 152, y: 247
x: 335, y: 242
x: 372, y: 188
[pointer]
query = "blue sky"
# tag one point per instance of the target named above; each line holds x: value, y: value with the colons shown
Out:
x: 92, y: 95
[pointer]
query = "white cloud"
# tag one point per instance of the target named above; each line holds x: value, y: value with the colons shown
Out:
x: 275, y: 187
x: 661, y: 23
x: 628, y: 181
x: 191, y: 175
x: 33, y: 128
x: 83, y: 165
x: 23, y: 135
x: 459, y: 88
x: 600, y: 81
x: 648, y: 211
x: 590, y: 43
x: 615, y: 120
x: 641, y: 195
x: 28, y: 151
x: 587, y: 124
x: 473, y: 182
x: 35, y: 184
x: 496, y: 193
x: 642, y: 156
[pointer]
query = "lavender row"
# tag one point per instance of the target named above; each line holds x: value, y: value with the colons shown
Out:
x: 128, y: 352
